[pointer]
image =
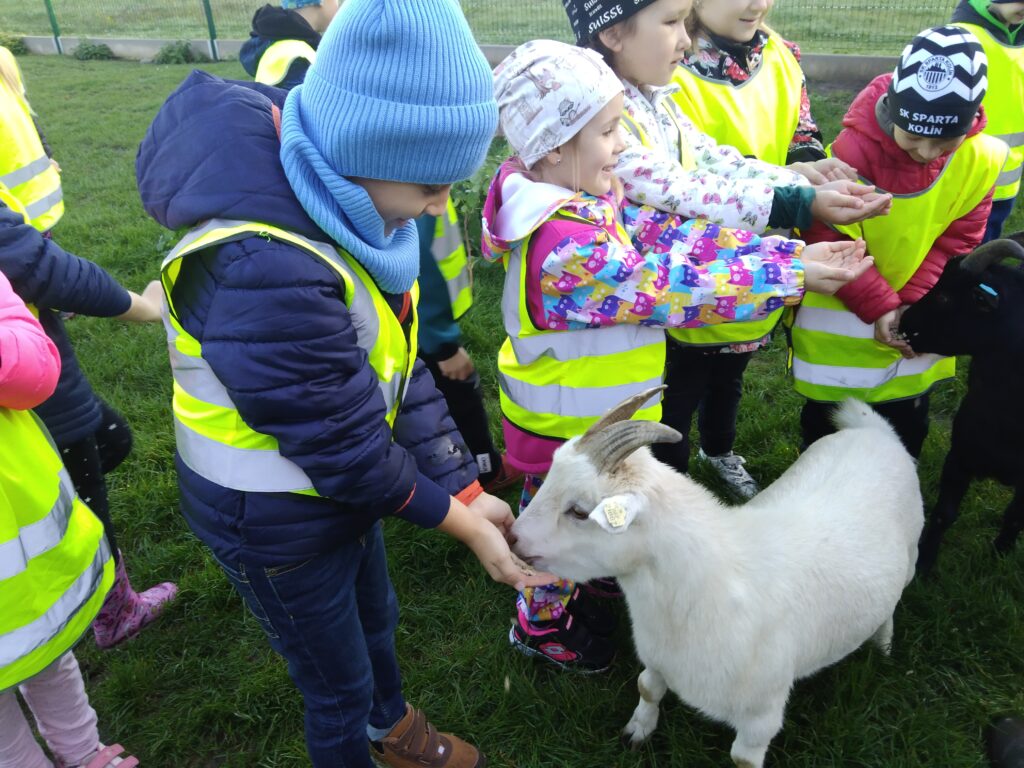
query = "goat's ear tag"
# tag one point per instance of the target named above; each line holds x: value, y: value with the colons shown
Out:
x: 987, y: 295
x: 616, y: 513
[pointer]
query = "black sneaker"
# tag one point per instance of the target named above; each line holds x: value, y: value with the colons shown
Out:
x: 598, y: 619
x: 565, y: 642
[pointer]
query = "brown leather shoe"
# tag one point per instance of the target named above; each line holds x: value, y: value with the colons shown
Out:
x: 415, y: 743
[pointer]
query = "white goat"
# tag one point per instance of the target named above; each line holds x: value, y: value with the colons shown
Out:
x: 730, y: 605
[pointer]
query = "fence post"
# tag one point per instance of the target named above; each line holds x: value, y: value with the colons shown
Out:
x: 214, y: 53
x: 53, y: 26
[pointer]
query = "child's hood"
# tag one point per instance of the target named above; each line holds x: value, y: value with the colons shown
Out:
x: 515, y: 207
x: 875, y: 144
x: 212, y: 152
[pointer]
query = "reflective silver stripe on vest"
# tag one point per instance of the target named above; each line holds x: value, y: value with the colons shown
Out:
x: 861, y: 378
x: 579, y: 403
x: 837, y: 322
x: 26, y: 173
x: 1013, y: 139
x: 441, y: 249
x: 41, y: 536
x: 565, y: 346
x: 23, y: 640
x: 41, y: 206
x: 241, y: 469
x: 1009, y: 177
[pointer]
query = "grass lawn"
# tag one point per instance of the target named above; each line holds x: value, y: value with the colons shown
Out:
x: 202, y: 689
x: 821, y: 26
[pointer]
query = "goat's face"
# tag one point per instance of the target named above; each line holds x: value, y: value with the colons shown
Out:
x: 962, y: 312
x: 582, y: 523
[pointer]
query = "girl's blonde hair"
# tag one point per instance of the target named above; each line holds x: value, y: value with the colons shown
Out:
x: 10, y: 76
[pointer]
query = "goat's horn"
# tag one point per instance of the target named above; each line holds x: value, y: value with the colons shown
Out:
x: 617, y: 441
x: 621, y: 412
x: 992, y: 252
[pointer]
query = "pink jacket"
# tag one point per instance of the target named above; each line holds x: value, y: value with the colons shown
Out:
x: 29, y: 361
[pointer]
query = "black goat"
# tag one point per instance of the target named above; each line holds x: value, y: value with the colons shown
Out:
x: 977, y: 309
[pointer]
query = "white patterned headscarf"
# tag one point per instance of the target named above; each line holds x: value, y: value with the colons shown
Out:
x: 546, y: 92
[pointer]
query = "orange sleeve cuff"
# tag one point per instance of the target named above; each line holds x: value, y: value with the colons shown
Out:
x: 469, y: 494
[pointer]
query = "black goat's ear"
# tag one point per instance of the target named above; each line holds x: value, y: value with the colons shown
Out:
x: 1017, y: 237
x: 986, y: 297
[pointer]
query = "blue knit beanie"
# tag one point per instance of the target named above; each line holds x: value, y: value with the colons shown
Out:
x: 400, y: 92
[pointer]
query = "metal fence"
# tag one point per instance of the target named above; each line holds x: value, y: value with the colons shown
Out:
x: 820, y: 26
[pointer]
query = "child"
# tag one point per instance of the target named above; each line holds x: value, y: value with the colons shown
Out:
x: 671, y: 165
x: 301, y: 415
x: 741, y: 83
x: 55, y: 565
x: 445, y: 296
x: 918, y: 133
x: 92, y: 437
x: 998, y: 25
x: 583, y: 308
x: 26, y: 167
x: 283, y: 41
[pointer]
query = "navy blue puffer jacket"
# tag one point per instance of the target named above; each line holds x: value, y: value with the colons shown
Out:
x: 53, y: 280
x: 274, y: 328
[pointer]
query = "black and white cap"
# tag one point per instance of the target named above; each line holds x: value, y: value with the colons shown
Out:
x: 588, y: 17
x: 939, y: 83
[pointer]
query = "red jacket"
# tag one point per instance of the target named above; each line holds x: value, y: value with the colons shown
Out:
x: 867, y: 147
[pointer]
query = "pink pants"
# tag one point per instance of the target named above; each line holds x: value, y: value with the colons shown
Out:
x: 65, y: 720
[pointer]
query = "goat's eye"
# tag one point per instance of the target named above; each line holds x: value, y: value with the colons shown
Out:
x: 576, y: 512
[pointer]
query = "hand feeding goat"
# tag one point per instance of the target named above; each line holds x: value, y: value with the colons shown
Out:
x: 977, y: 309
x: 730, y: 605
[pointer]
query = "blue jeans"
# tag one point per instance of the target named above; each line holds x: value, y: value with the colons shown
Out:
x: 333, y: 619
x: 1001, y: 210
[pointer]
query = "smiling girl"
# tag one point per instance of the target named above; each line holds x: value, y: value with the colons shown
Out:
x: 741, y: 83
x: 585, y: 305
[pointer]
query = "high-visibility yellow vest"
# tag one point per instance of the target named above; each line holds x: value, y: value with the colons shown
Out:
x: 278, y: 58
x: 1004, y: 106
x: 758, y: 116
x: 24, y: 167
x: 212, y: 438
x: 834, y: 354
x: 55, y: 564
x: 557, y: 383
x: 449, y: 252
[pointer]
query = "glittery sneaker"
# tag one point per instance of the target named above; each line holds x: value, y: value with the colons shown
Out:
x: 730, y: 468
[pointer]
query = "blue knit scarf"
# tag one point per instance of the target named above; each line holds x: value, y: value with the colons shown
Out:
x: 344, y: 210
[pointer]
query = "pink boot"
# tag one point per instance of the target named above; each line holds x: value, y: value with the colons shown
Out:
x: 125, y: 611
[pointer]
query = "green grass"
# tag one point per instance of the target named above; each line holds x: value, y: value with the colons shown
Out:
x: 202, y: 689
x: 821, y: 26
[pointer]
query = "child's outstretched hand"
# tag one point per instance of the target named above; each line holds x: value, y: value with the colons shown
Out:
x: 846, y: 202
x: 145, y: 308
x: 823, y: 171
x: 830, y: 266
x: 488, y: 541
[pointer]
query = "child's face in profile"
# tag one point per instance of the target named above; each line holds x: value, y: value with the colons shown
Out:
x: 736, y: 20
x: 1011, y: 13
x: 647, y: 51
x: 923, y: 149
x: 587, y: 163
x: 400, y: 202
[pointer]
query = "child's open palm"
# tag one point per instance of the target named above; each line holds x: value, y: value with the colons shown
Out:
x: 829, y: 266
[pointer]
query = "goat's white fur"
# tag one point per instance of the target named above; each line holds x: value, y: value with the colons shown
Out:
x: 730, y: 605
